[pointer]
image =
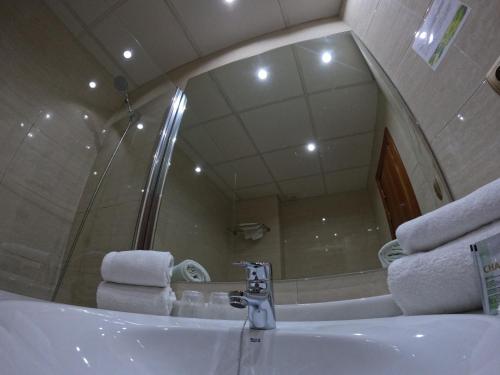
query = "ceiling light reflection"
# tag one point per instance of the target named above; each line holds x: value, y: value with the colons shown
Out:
x: 262, y: 74
x: 326, y: 57
x: 311, y: 147
x: 127, y: 54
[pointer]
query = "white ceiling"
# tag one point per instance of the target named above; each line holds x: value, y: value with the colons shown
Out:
x: 234, y: 124
x: 250, y: 135
x: 165, y: 34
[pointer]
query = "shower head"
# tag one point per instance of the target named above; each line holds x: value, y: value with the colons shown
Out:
x: 135, y: 116
x: 121, y: 84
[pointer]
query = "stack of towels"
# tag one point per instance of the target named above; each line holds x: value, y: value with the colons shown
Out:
x: 439, y: 275
x: 137, y: 281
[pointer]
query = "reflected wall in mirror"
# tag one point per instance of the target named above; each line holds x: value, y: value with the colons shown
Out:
x: 279, y: 159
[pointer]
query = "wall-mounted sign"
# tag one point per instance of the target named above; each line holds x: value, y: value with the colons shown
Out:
x: 440, y: 27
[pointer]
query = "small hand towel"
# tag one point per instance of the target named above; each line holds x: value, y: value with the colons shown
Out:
x: 138, y: 267
x: 191, y: 271
x: 444, y: 280
x: 449, y: 222
x: 136, y: 299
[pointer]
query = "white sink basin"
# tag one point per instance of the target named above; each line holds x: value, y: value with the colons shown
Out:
x: 48, y: 338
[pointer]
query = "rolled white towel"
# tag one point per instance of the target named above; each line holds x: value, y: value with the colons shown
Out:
x: 138, y: 267
x: 451, y: 221
x: 136, y: 299
x: 444, y: 280
x: 189, y: 270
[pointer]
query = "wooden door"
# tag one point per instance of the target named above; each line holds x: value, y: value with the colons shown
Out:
x: 394, y: 186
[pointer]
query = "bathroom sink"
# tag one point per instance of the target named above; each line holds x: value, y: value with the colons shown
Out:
x: 48, y: 338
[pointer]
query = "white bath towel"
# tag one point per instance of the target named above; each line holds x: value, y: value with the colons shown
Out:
x: 138, y: 267
x: 136, y: 299
x: 189, y: 270
x: 444, y: 280
x: 457, y: 218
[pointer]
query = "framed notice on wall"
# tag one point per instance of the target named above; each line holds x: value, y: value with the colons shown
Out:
x: 439, y: 29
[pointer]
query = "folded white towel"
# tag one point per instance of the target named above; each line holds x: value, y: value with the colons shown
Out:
x: 451, y: 221
x: 189, y: 270
x: 138, y: 267
x: 444, y: 280
x: 136, y: 299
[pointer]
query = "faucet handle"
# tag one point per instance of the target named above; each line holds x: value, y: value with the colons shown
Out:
x: 247, y: 265
x: 237, y: 299
x: 256, y: 271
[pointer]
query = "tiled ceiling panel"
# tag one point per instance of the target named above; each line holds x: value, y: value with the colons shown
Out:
x: 204, y: 101
x: 215, y: 24
x: 279, y: 125
x: 199, y: 139
x: 101, y: 55
x: 241, y: 85
x: 258, y: 191
x: 230, y: 137
x: 173, y: 32
x: 347, y: 66
x: 348, y: 152
x: 292, y: 163
x: 263, y: 142
x: 303, y: 187
x: 157, y: 31
x: 345, y: 111
x: 298, y: 11
x: 115, y: 37
x: 244, y: 172
x: 90, y: 10
x: 347, y: 180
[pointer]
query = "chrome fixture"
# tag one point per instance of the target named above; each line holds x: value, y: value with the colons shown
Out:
x: 258, y: 296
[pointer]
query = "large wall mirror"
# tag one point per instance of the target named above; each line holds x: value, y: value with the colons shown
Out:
x: 301, y: 156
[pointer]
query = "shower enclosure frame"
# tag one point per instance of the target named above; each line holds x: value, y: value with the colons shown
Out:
x: 153, y: 191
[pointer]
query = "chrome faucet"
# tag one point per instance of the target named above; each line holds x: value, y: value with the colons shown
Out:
x: 258, y: 296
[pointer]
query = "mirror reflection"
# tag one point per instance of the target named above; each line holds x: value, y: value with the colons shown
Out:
x: 300, y: 157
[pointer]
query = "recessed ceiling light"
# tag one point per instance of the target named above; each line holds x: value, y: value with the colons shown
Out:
x: 311, y: 147
x: 48, y: 116
x: 262, y: 74
x: 127, y: 54
x: 326, y: 57
x: 30, y: 135
x: 461, y: 117
x: 87, y: 147
x: 140, y: 126
x: 92, y: 84
x: 94, y: 173
x: 229, y: 1
x: 323, y: 219
x: 21, y: 124
x: 86, y: 117
x: 198, y: 169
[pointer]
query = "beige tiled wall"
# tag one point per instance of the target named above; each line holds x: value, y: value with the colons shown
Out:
x: 111, y: 220
x: 264, y: 211
x: 310, y: 290
x: 345, y: 241
x: 44, y: 162
x: 195, y: 218
x: 467, y: 147
x: 415, y: 157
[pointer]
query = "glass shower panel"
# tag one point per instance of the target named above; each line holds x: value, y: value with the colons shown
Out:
x: 108, y: 222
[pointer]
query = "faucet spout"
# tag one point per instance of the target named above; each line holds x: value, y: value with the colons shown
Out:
x: 258, y: 296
